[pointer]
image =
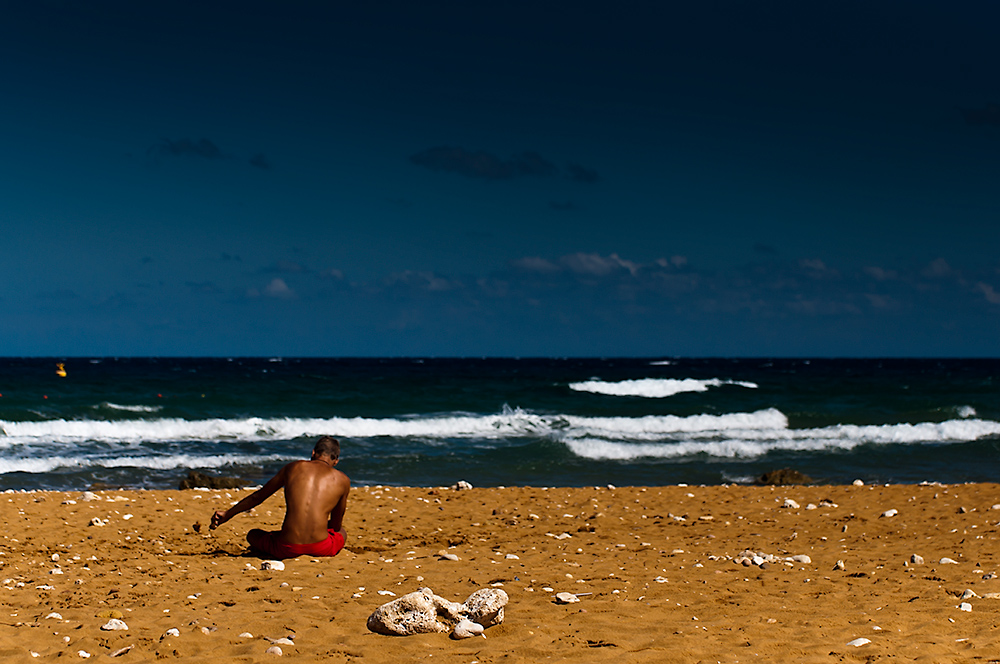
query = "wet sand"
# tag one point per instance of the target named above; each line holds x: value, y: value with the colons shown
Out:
x: 653, y: 568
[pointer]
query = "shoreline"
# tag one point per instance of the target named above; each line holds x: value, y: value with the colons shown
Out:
x: 654, y: 568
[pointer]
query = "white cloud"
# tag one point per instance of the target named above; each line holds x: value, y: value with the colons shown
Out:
x: 278, y: 288
x: 991, y: 295
x: 937, y: 268
x: 880, y: 274
x: 535, y: 264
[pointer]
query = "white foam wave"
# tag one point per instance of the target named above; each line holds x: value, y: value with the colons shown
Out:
x: 131, y: 409
x: 966, y: 411
x: 750, y: 443
x: 48, y: 464
x: 653, y: 388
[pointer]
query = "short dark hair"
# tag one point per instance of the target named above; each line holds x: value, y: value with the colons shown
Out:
x: 328, y: 446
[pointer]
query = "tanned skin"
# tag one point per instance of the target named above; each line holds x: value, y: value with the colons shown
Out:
x: 315, y: 500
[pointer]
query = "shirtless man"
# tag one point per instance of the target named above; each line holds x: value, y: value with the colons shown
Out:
x: 315, y: 502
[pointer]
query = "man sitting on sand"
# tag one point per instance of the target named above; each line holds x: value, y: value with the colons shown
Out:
x: 315, y: 502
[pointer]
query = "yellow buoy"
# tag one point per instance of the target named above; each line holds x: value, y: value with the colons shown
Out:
x: 61, y: 370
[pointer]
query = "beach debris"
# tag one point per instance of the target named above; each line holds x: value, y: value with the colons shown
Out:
x: 566, y: 598
x: 196, y: 479
x: 791, y: 504
x: 839, y: 565
x: 965, y: 606
x: 461, y: 485
x: 89, y: 496
x: 466, y: 629
x: 858, y: 483
x: 110, y: 613
x: 917, y: 560
x: 114, y: 625
x: 417, y: 612
x: 857, y: 643
x: 274, y: 650
x: 96, y: 521
x: 283, y: 641
x: 948, y: 561
x: 55, y: 616
x: 445, y: 555
x: 173, y: 631
x: 83, y: 653
x: 387, y: 593
x: 121, y: 651
x: 968, y: 594
x: 988, y: 576
x: 276, y: 565
x: 781, y: 477
x: 890, y: 513
x: 660, y: 579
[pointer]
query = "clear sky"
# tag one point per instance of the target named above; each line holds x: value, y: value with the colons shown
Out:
x: 520, y: 178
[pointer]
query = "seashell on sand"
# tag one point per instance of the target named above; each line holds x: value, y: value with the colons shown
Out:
x: 466, y: 629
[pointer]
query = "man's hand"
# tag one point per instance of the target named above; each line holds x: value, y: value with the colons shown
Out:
x: 218, y: 519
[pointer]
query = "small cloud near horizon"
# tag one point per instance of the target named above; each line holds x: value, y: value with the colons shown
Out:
x: 482, y: 164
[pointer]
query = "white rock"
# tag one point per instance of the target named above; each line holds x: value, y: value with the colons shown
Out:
x: 449, y: 556
x: 83, y: 653
x: 55, y: 571
x: 791, y: 504
x: 968, y: 594
x: 811, y: 506
x: 802, y: 558
x: 89, y: 495
x: 858, y: 483
x: 96, y: 521
x: 857, y: 643
x: 758, y: 560
x: 413, y: 613
x: 948, y: 561
x: 917, y: 560
x: 466, y: 629
x: 55, y: 557
x: 660, y: 579
x: 387, y: 593
x: 996, y: 507
x: 173, y: 631
x: 274, y: 650
x: 485, y: 606
x: 283, y: 641
x: 54, y: 616
x: 566, y: 598
x: 890, y: 513
x: 246, y: 635
x: 965, y: 606
x: 461, y: 485
x: 512, y: 556
x: 839, y: 565
x: 276, y: 565
x: 114, y: 625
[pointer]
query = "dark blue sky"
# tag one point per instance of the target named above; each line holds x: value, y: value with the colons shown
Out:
x: 447, y: 178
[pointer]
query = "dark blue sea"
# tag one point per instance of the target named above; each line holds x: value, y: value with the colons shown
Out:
x: 145, y: 422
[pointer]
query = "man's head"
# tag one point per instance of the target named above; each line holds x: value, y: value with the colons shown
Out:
x: 327, y: 446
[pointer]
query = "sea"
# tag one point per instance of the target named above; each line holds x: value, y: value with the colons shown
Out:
x: 146, y: 422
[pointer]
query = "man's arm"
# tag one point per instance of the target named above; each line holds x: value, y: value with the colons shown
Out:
x: 336, y: 522
x: 251, y: 501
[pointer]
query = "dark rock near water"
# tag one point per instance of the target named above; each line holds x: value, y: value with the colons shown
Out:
x: 196, y: 479
x: 782, y: 477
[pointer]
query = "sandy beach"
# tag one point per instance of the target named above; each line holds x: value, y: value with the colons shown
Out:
x: 656, y: 570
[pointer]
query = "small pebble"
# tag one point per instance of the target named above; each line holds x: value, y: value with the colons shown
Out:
x: 83, y: 653
x: 54, y: 616
x: 917, y: 560
x: 246, y: 635
x: 968, y: 594
x: 114, y: 625
x: 839, y: 565
x: 965, y: 606
x: 173, y: 631
x: 890, y: 513
x: 274, y: 650
x: 858, y: 483
x: 802, y: 558
x: 566, y: 598
x: 948, y: 561
x: 276, y: 565
x: 791, y: 504
x: 857, y: 643
x: 511, y: 556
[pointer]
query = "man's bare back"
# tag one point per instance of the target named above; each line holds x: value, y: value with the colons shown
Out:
x: 315, y: 502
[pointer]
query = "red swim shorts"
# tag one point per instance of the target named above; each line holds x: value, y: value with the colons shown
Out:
x: 270, y: 543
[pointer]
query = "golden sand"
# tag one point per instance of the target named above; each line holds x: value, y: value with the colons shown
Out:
x: 653, y: 568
